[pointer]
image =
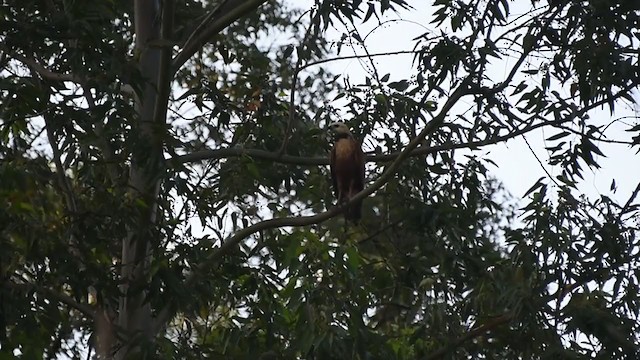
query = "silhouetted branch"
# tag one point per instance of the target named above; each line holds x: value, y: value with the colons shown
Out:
x: 44, y: 72
x: 627, y: 205
x: 480, y: 330
x: 350, y: 57
x: 54, y: 296
x: 47, y: 74
x: 324, y: 160
x: 220, y: 17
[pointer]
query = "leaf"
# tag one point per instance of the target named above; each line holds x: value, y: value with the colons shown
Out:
x: 519, y: 88
x: 224, y: 119
x: 634, y: 128
x: 591, y: 147
x: 252, y: 169
x: 399, y: 85
x: 436, y: 169
x: 456, y: 22
x: 370, y: 11
x: 528, y: 42
x: 535, y: 186
x: 430, y: 105
x: 353, y: 259
x: 426, y: 283
x: 286, y: 54
x: 558, y: 136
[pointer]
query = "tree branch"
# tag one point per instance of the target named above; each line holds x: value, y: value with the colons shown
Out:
x: 350, y: 57
x: 294, y: 82
x: 53, y: 295
x: 164, y: 72
x: 292, y: 105
x: 490, y: 325
x: 627, y: 206
x: 103, y: 141
x: 60, y: 171
x: 44, y: 72
x: 232, y: 242
x: 324, y: 160
x: 229, y: 11
x: 47, y: 74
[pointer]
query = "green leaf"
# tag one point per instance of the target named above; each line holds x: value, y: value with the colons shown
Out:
x: 401, y: 85
x: 528, y: 43
x: 558, y: 136
x: 535, y: 187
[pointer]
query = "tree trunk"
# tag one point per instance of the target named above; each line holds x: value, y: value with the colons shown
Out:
x: 134, y: 316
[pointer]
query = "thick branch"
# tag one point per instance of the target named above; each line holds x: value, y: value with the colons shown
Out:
x: 228, y: 12
x: 421, y: 150
x: 233, y: 241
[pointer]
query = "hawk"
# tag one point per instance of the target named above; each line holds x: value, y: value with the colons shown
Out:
x: 347, y: 169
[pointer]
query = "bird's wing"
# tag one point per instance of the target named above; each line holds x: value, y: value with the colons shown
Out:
x: 358, y: 161
x: 332, y: 165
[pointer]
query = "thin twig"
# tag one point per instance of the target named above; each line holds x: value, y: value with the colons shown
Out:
x: 103, y: 142
x: 292, y: 108
x: 627, y: 205
x: 381, y: 230
x: 540, y: 161
x: 294, y: 82
x: 350, y: 57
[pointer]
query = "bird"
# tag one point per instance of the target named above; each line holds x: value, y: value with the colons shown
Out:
x: 347, y: 169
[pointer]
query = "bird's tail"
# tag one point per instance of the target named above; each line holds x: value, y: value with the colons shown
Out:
x: 354, y: 212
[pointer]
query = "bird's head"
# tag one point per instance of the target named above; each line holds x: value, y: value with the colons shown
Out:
x: 339, y: 129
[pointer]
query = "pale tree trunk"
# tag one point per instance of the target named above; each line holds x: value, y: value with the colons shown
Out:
x: 133, y: 324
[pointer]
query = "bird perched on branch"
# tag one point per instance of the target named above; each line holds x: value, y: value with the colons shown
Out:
x: 347, y: 169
